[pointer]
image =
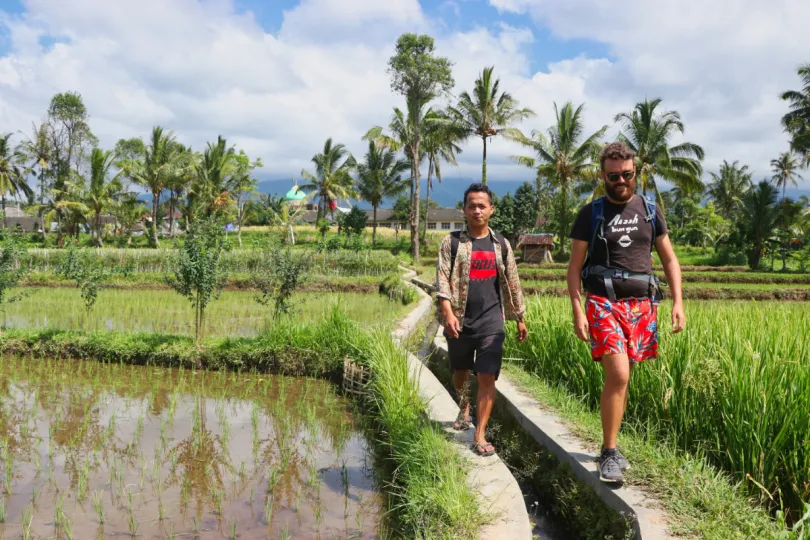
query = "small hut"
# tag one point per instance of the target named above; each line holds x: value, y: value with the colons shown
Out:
x: 536, y: 247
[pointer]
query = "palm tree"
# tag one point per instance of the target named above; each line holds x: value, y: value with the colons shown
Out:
x: 440, y: 143
x: 159, y: 164
x: 487, y: 113
x: 180, y: 182
x: 648, y: 134
x: 332, y: 179
x: 563, y: 157
x: 12, y: 179
x: 728, y: 188
x: 784, y: 171
x: 797, y: 121
x: 761, y: 211
x: 102, y: 191
x: 37, y: 154
x: 214, y: 176
x: 379, y: 177
x: 129, y: 212
x: 407, y: 133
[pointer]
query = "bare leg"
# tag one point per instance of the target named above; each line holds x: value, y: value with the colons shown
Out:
x: 486, y: 399
x: 614, y: 396
x: 461, y: 382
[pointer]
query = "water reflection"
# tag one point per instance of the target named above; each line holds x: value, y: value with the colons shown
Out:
x: 90, y: 449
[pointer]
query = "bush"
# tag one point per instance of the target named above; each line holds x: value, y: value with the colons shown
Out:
x: 393, y: 287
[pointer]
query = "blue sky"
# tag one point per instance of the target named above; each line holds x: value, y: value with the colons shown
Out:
x: 277, y: 78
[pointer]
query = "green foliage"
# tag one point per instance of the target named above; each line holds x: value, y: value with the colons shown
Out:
x: 11, y: 272
x: 415, y: 71
x: 323, y: 226
x: 354, y: 222
x: 393, y: 287
x: 198, y: 273
x: 285, y: 271
x: 89, y: 273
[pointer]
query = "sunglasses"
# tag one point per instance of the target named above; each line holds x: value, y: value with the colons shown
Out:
x: 614, y: 176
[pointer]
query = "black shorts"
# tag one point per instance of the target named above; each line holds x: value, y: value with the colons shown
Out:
x: 479, y: 354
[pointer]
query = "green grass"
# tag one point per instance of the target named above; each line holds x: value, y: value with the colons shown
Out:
x: 699, y: 499
x: 734, y: 388
x: 235, y: 313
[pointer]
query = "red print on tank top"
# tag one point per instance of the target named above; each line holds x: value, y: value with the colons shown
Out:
x: 483, y: 265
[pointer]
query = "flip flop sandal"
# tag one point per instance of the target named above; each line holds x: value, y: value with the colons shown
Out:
x: 463, y: 425
x: 481, y: 449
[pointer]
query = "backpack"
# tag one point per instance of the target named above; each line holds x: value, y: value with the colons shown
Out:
x: 455, y: 238
x: 608, y: 272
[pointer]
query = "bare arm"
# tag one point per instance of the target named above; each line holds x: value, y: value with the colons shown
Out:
x: 672, y: 269
x: 579, y: 251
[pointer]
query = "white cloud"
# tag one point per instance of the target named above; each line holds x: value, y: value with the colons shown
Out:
x: 204, y: 68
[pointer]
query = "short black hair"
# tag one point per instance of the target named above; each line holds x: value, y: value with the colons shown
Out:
x: 478, y: 188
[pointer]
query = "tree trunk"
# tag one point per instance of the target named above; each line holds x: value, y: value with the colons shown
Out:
x: 564, y: 217
x: 155, y: 200
x: 484, y: 163
x: 374, y: 229
x: 415, y: 205
x: 99, y: 241
x: 172, y: 203
x: 427, y: 200
x: 4, y: 211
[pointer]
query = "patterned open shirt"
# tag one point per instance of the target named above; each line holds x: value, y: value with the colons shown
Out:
x: 456, y: 286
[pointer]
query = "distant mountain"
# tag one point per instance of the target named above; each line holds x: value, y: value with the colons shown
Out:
x: 447, y: 194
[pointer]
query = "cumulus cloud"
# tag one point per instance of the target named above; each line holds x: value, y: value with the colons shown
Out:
x: 207, y: 67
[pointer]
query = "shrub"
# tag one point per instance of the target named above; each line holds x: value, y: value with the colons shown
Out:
x: 393, y: 287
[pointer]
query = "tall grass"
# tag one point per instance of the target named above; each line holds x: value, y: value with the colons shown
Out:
x: 735, y: 387
x: 430, y: 491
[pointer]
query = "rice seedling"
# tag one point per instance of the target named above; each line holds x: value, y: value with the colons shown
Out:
x: 268, y: 509
x: 233, y: 523
x: 2, y: 509
x: 132, y: 525
x: 734, y: 387
x: 98, y: 505
x: 26, y: 519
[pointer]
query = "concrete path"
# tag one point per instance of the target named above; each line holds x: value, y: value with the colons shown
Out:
x: 489, y: 476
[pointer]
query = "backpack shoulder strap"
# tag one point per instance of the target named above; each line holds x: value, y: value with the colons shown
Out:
x: 455, y: 237
x: 597, y: 221
x: 502, y: 241
x: 649, y: 208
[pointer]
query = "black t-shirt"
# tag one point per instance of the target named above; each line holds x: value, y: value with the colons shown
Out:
x: 629, y: 239
x: 483, y: 316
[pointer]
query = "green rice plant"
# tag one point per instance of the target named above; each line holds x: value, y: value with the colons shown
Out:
x: 98, y: 505
x: 132, y: 525
x: 2, y: 509
x: 268, y: 509
x: 734, y: 387
x: 233, y: 523
x: 26, y: 519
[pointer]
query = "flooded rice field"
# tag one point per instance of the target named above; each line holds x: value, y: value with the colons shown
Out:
x: 89, y: 450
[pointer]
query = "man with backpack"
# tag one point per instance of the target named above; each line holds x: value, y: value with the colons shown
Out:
x: 478, y: 288
x: 612, y: 240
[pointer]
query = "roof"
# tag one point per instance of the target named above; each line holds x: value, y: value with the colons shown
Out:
x: 383, y: 214
x: 13, y: 211
x: 295, y: 194
x: 536, y: 240
x: 445, y: 214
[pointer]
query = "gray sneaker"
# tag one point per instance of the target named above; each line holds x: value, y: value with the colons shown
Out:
x: 623, y: 463
x: 610, y: 469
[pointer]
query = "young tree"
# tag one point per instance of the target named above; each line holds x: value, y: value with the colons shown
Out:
x: 243, y: 186
x: 760, y: 211
x: 354, y: 221
x: 332, y: 179
x: 198, y: 273
x: 563, y: 158
x: 648, y: 133
x: 379, y: 177
x: 37, y: 153
x: 420, y: 76
x: 11, y: 272
x: 287, y: 271
x: 487, y: 113
x: 400, y: 212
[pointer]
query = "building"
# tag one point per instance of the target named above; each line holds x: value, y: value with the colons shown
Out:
x: 536, y: 247
x: 438, y: 219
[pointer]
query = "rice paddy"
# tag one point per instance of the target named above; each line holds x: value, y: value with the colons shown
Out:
x: 734, y: 387
x: 235, y: 313
x: 92, y: 450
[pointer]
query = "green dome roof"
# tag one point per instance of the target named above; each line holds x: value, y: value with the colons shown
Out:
x: 295, y: 194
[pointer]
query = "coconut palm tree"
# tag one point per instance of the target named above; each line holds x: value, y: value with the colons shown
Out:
x: 761, y: 211
x: 728, y: 188
x: 380, y: 176
x: 214, y: 177
x: 797, y: 121
x: 12, y: 180
x: 784, y: 171
x: 648, y: 133
x: 488, y: 113
x: 102, y: 190
x: 37, y: 155
x: 563, y: 157
x: 407, y: 132
x: 440, y: 144
x: 332, y: 179
x: 154, y: 171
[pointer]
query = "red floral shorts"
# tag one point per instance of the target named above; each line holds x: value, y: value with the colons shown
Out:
x: 622, y: 327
